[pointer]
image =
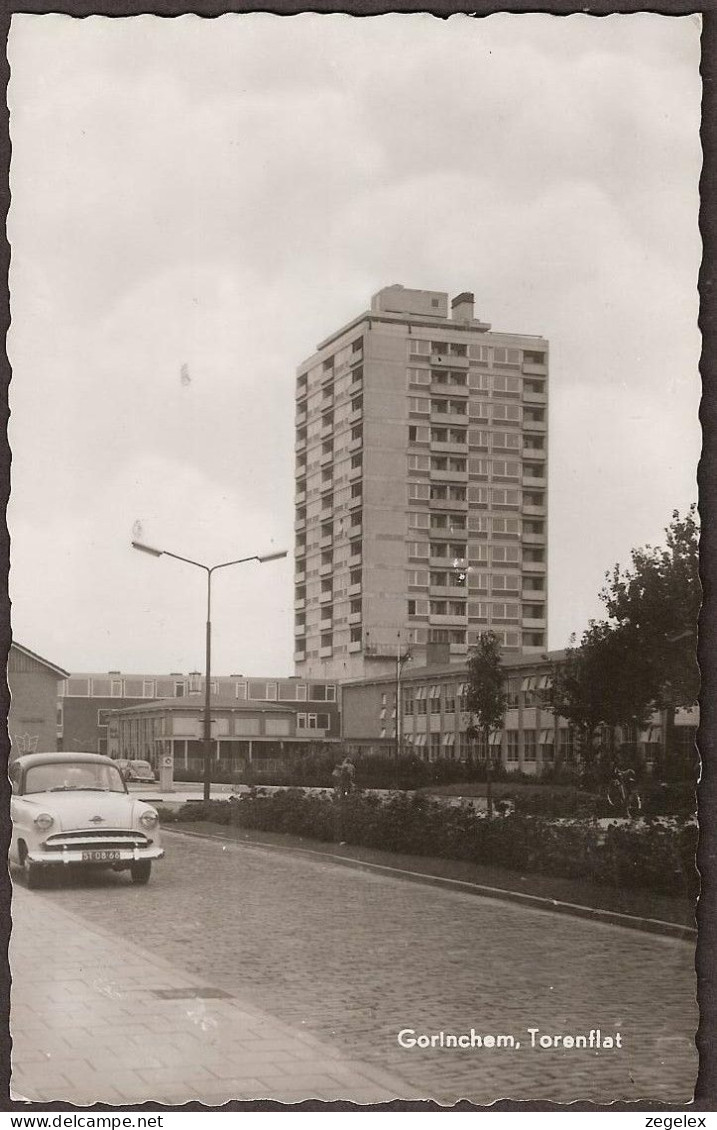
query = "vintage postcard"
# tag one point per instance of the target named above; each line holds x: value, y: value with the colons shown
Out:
x: 354, y: 572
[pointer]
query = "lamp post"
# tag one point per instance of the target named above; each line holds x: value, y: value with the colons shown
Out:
x: 401, y: 661
x: 208, y: 569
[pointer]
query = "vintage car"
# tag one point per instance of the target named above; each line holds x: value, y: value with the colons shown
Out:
x: 136, y: 770
x: 73, y: 809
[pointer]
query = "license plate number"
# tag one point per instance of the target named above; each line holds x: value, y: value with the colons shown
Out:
x: 100, y: 856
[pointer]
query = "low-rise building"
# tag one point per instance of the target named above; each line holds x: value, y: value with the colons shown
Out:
x: 243, y: 732
x: 33, y: 717
x: 434, y: 720
x: 88, y: 699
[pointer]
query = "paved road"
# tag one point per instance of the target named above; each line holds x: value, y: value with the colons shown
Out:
x: 353, y: 958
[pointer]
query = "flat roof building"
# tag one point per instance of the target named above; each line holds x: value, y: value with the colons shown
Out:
x: 421, y: 488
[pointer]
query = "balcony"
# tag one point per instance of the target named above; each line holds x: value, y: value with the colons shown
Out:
x: 534, y: 397
x: 537, y: 623
x: 449, y: 447
x: 326, y: 541
x: 326, y: 570
x: 448, y: 419
x: 300, y: 524
x: 299, y: 576
x: 300, y: 498
x: 300, y: 604
x: 356, y: 444
x: 326, y: 513
x: 326, y: 457
x: 300, y: 629
x: 447, y: 534
x: 327, y: 430
x: 326, y: 623
x: 355, y: 530
x: 354, y: 617
x: 447, y: 621
x: 533, y: 511
x: 300, y: 444
x: 449, y: 390
x: 354, y: 473
x: 354, y: 590
x: 301, y: 417
x: 534, y: 425
x: 533, y: 539
x: 449, y: 476
x: 533, y: 566
x: 536, y: 482
x: 300, y: 471
x: 354, y: 501
x: 448, y: 361
x: 452, y: 504
x: 326, y: 597
x: 299, y: 656
x: 531, y: 369
x: 355, y: 645
x: 534, y: 454
x: 325, y: 652
x: 355, y: 415
x: 532, y: 595
x: 451, y: 592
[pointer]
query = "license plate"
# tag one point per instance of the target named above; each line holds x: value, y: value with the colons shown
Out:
x: 104, y: 856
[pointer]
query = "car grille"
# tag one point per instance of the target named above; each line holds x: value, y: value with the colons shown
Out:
x: 104, y: 838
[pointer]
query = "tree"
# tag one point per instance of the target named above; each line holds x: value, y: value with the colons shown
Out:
x: 486, y: 699
x: 644, y: 656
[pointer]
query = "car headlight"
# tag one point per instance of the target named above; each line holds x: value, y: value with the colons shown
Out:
x: 149, y: 819
x: 43, y: 821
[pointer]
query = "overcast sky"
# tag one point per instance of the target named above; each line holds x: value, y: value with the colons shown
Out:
x: 196, y: 203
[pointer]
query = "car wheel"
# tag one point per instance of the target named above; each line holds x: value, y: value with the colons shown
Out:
x: 141, y: 871
x: 32, y: 872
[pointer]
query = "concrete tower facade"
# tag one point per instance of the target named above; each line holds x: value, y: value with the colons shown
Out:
x: 421, y: 488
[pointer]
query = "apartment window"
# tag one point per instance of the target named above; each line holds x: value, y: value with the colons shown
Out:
x: 477, y: 610
x: 439, y: 522
x: 418, y: 520
x: 478, y: 523
x: 357, y: 345
x: 419, y: 347
x: 148, y: 688
x: 478, y: 410
x: 478, y: 496
x: 505, y: 469
x: 505, y: 612
x: 357, y: 432
x: 418, y: 549
x: 179, y: 690
x: 418, y: 435
x: 355, y: 577
x: 507, y: 526
x: 501, y: 497
x: 356, y: 635
x: 103, y: 717
x: 479, y: 353
x: 419, y: 462
x: 116, y: 688
x: 356, y: 461
x: 512, y: 746
x: 418, y: 578
x: 506, y: 356
x: 507, y: 412
x: 420, y: 405
x: 508, y: 384
x: 449, y: 705
x: 505, y: 553
x: 505, y: 582
x: 439, y: 492
x: 408, y: 700
x: 479, y: 468
x: 418, y: 491
x: 506, y: 440
x: 419, y: 376
x: 327, y: 639
x: 478, y: 382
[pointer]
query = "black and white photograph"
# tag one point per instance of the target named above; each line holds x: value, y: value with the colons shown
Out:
x: 354, y: 582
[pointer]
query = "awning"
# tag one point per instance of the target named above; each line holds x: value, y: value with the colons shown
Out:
x: 421, y: 692
x: 420, y: 739
x: 435, y: 691
x: 547, y: 737
x: 449, y: 739
x: 528, y: 683
x: 495, y: 739
x: 546, y: 682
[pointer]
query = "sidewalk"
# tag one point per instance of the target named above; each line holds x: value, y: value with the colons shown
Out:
x: 97, y: 1020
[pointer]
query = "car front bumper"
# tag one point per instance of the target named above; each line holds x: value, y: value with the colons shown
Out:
x: 94, y: 857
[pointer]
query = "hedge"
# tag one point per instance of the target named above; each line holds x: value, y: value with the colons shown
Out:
x: 652, y: 855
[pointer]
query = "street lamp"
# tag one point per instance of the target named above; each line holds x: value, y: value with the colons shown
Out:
x: 208, y: 569
x: 401, y: 661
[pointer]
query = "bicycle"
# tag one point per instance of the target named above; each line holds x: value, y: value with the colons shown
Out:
x: 622, y: 792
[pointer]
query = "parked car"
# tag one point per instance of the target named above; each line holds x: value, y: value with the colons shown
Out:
x: 74, y: 809
x: 136, y: 770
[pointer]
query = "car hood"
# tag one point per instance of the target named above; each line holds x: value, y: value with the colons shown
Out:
x: 78, y: 809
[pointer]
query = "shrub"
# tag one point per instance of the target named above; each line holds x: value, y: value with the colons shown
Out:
x: 658, y: 856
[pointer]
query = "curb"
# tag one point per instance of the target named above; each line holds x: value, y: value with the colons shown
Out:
x: 535, y: 902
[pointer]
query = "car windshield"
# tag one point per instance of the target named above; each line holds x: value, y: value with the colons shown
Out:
x: 141, y: 765
x: 68, y: 776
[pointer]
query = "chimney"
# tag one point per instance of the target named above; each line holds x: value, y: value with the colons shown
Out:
x: 462, y: 307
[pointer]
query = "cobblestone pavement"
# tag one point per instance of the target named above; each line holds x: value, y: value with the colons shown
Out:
x: 355, y: 957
